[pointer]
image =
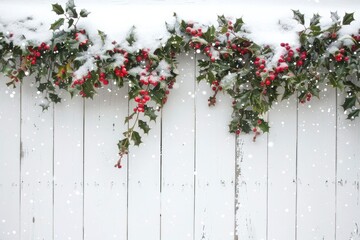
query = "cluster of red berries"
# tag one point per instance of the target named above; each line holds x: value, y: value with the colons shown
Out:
x: 192, y: 31
x: 35, y: 53
x: 141, y: 100
x: 144, y: 55
x: 260, y: 64
x: 355, y: 46
x: 102, y: 78
x: 242, y: 49
x: 195, y: 45
x: 340, y: 56
x: 308, y: 98
x: 290, y: 55
x: 215, y: 86
x: 80, y: 36
x: 82, y: 80
x: 148, y: 80
x: 120, y: 71
x: 229, y: 27
x: 207, y: 51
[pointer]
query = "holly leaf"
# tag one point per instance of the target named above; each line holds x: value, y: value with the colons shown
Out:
x: 84, y: 13
x: 70, y: 22
x: 315, y: 20
x: 349, y: 102
x: 238, y: 24
x: 299, y: 17
x: 57, y: 24
x: 57, y: 9
x: 264, y: 126
x: 54, y: 98
x: 144, y: 126
x: 136, y: 138
x: 334, y: 16
x: 150, y: 112
x: 348, y: 18
x: 128, y: 118
x: 123, y: 145
x: 222, y: 20
x: 102, y: 36
x: 131, y: 36
x: 354, y: 114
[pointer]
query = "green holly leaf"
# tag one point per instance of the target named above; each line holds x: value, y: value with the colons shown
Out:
x: 170, y: 28
x: 128, y: 118
x: 70, y: 22
x: 131, y: 36
x: 348, y: 18
x: 150, y: 112
x: 222, y: 20
x: 54, y: 98
x: 354, y: 114
x: 264, y: 126
x: 238, y: 24
x: 299, y: 17
x: 334, y: 16
x: 349, y: 102
x: 57, y: 9
x: 136, y: 138
x: 315, y: 20
x: 123, y: 145
x: 144, y: 126
x: 57, y: 24
x: 84, y: 13
x: 102, y: 36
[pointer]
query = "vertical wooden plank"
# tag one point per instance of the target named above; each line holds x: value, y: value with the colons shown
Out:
x: 348, y: 176
x: 177, y: 200
x: 37, y: 165
x: 316, y: 167
x: 282, y: 170
x: 9, y: 161
x: 251, y: 209
x: 144, y: 185
x: 215, y: 167
x: 68, y: 168
x: 105, y: 193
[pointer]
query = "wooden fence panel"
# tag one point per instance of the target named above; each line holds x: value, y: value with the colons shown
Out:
x: 178, y: 156
x: 105, y: 193
x: 281, y: 203
x: 36, y: 165
x: 68, y: 168
x: 215, y: 167
x: 251, y: 199
x: 144, y: 185
x: 9, y: 161
x: 316, y: 167
x: 348, y: 176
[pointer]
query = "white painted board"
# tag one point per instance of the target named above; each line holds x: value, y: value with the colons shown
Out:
x: 9, y: 161
x: 281, y: 203
x: 348, y: 176
x: 36, y: 165
x: 178, y: 155
x: 316, y: 167
x: 214, y: 167
x: 68, y: 168
x: 105, y: 193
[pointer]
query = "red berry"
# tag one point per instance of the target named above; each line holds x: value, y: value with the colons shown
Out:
x: 238, y: 132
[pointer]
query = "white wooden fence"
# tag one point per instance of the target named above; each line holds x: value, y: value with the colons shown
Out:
x: 190, y: 180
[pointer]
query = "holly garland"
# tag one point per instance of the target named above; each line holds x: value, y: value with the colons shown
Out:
x: 231, y: 64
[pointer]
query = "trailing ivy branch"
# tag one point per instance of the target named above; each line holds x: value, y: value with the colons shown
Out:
x: 230, y: 63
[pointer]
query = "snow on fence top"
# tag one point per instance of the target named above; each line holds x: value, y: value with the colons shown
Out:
x: 268, y: 22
